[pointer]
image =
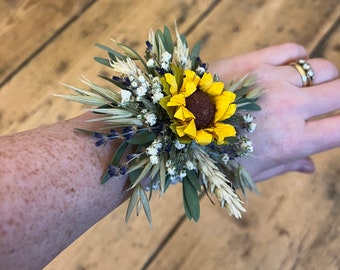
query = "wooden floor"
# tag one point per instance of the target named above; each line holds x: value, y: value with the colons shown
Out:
x: 294, y: 224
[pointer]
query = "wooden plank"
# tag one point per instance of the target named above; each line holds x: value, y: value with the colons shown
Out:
x: 295, y: 223
x: 248, y: 25
x: 29, y: 105
x: 26, y: 25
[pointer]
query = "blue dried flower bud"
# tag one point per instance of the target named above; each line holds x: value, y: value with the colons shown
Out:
x: 113, y: 135
x: 128, y: 132
x: 123, y: 170
x: 113, y: 171
x: 148, y: 46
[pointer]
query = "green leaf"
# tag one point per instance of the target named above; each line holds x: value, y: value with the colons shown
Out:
x: 86, y: 100
x: 168, y: 42
x: 193, y: 178
x: 241, y: 91
x: 112, y: 53
x: 190, y: 200
x: 145, y: 203
x: 133, y: 176
x: 162, y: 171
x: 142, y: 137
x: 115, y: 160
x: 103, y: 61
x: 143, y: 174
x: 195, y: 52
x: 131, y: 53
x: 132, y: 203
x: 119, y: 153
x: 184, y: 40
x: 159, y: 38
x: 249, y: 107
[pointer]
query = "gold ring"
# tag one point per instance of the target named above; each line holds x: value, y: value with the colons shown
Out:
x: 305, y: 71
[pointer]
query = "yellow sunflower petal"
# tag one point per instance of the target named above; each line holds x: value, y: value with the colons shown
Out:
x: 203, y: 137
x: 222, y: 131
x: 176, y: 100
x: 190, y: 75
x: 189, y: 88
x: 188, y: 114
x: 179, y: 130
x: 190, y: 130
x: 206, y: 81
x: 224, y: 108
x: 191, y: 78
x: 183, y: 114
x: 215, y: 89
x: 171, y: 80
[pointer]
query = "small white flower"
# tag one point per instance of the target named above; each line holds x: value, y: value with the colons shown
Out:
x: 225, y: 158
x: 150, y: 118
x: 154, y: 159
x: 141, y: 79
x: 179, y: 145
x: 134, y: 84
x: 171, y: 171
x: 190, y: 165
x: 150, y: 63
x: 248, y: 118
x: 200, y: 70
x: 168, y: 163
x: 182, y: 174
x: 251, y: 127
x: 166, y: 57
x: 165, y: 65
x: 151, y: 150
x: 156, y: 97
x: 247, y: 146
x: 141, y: 91
x: 126, y: 95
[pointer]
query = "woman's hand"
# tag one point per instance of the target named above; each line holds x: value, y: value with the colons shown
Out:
x: 292, y: 124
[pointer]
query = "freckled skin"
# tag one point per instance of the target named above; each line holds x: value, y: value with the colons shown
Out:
x: 51, y: 194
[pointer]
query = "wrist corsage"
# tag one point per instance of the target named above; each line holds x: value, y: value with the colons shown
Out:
x: 176, y: 123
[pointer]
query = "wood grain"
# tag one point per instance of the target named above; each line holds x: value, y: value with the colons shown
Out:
x: 27, y: 25
x: 294, y: 224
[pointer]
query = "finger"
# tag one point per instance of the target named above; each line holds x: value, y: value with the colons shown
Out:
x: 242, y: 64
x: 323, y: 70
x: 321, y: 99
x: 281, y: 54
x: 304, y: 165
x: 320, y: 135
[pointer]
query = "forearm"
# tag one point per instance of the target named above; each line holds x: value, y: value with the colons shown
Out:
x: 50, y: 192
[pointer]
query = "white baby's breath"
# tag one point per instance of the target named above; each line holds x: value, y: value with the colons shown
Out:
x: 154, y: 159
x: 150, y: 63
x: 150, y: 118
x: 190, y: 165
x: 126, y: 95
x: 179, y: 145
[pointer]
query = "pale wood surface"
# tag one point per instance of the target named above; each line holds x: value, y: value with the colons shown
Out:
x: 294, y: 224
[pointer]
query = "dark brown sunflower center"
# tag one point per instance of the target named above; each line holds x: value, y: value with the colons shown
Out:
x: 201, y: 106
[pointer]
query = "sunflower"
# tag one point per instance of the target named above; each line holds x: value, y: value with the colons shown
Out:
x: 198, y: 107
